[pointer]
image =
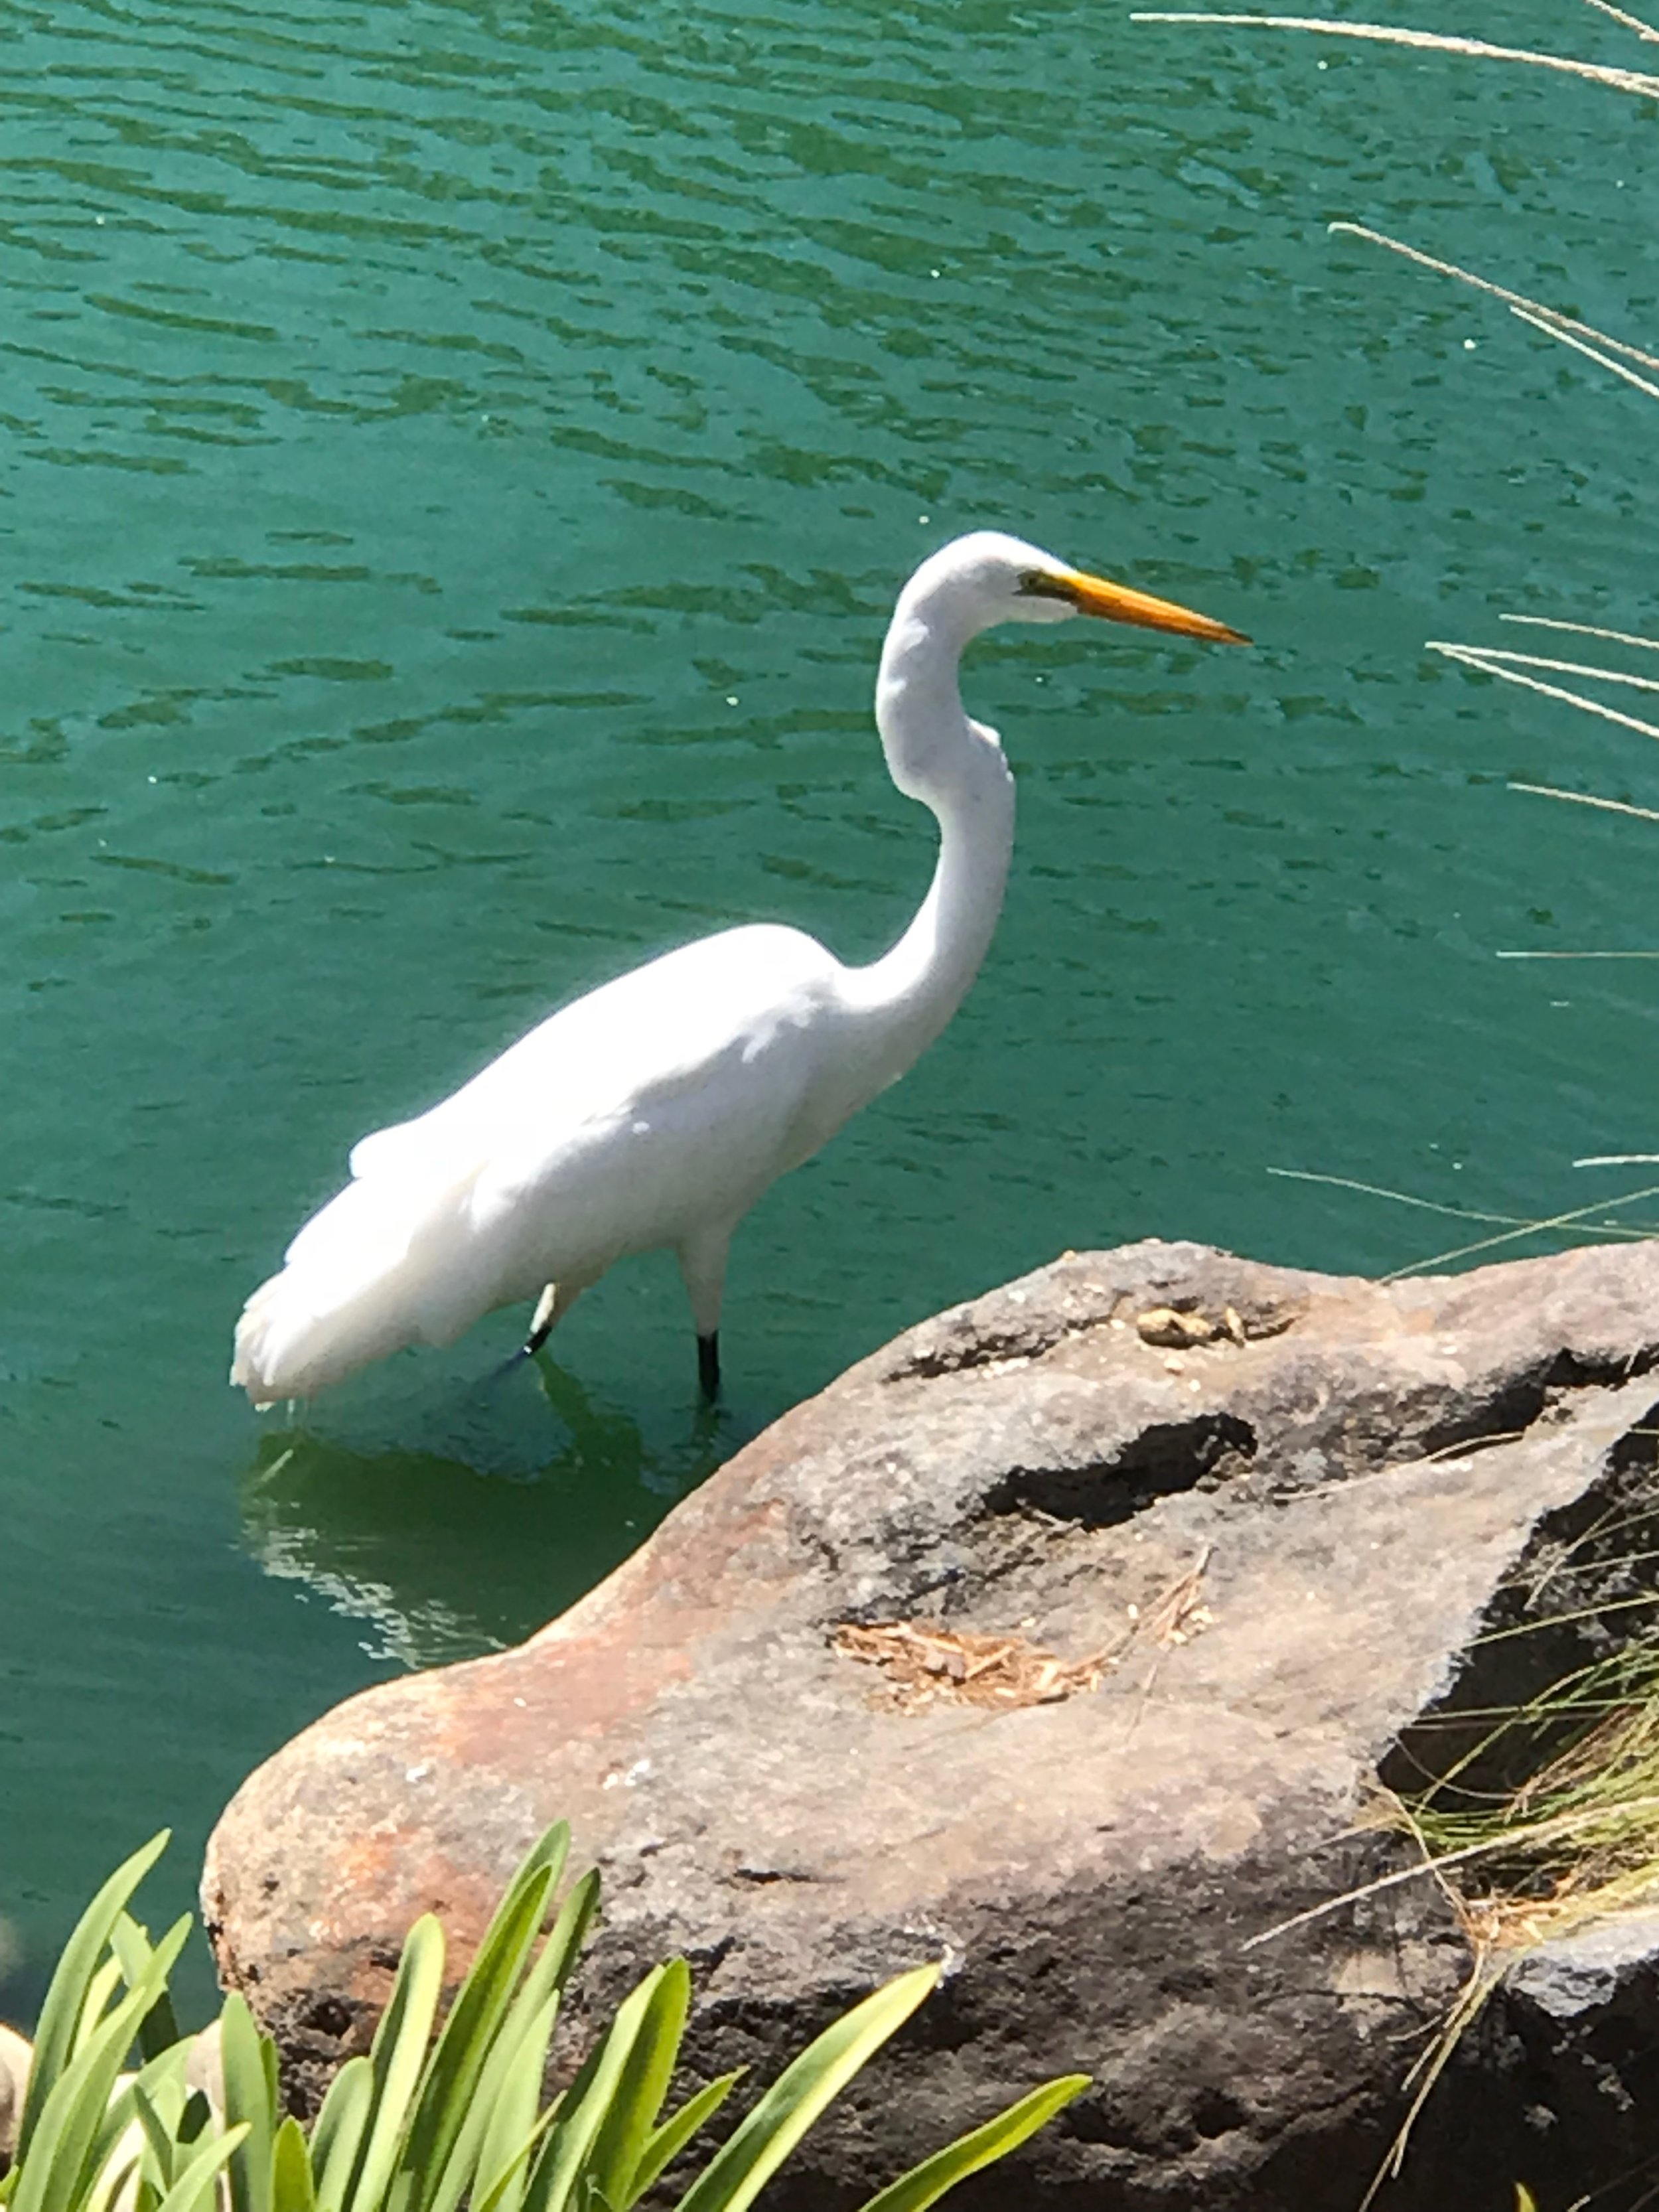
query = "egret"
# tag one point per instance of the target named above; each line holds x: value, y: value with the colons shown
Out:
x: 655, y: 1110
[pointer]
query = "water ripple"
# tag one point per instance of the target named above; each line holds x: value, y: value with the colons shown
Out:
x: 461, y: 454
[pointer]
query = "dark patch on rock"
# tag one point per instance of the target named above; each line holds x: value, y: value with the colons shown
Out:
x: 1161, y: 1461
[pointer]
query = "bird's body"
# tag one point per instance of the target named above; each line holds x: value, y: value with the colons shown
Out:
x: 655, y: 1110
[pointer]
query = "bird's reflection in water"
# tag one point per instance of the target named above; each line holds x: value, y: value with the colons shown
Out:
x: 464, y: 1543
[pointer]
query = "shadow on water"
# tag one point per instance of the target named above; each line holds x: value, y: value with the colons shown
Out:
x: 500, y: 1517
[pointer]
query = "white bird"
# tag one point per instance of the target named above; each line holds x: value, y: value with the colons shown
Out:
x: 656, y: 1110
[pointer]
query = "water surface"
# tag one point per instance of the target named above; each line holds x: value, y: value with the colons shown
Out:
x: 459, y: 459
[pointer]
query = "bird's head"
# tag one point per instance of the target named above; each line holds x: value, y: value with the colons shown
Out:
x: 996, y: 578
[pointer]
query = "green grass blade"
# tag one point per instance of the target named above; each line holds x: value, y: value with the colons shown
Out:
x: 672, y: 2137
x: 565, y: 1940
x: 494, y: 2197
x: 118, y: 2118
x: 925, y: 2184
x: 159, y: 2085
x: 337, y: 2135
x: 551, y: 1850
x: 192, y: 2191
x: 637, y: 2103
x: 740, y: 2169
x: 157, y: 2134
x: 60, y: 2014
x: 450, y: 2077
x: 529, y: 2016
x: 247, y: 2098
x: 125, y: 2180
x: 396, y: 2057
x: 130, y: 1941
x: 159, y: 2029
x: 512, y: 2131
x: 586, y: 2103
x: 524, y: 2038
x: 291, y: 2189
x: 94, y: 2009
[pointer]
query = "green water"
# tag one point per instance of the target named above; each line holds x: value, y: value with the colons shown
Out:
x: 458, y: 462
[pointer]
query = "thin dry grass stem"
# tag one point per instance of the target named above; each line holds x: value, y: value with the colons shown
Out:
x: 1483, y: 1978
x: 1379, y: 1190
x: 1584, y: 629
x: 1550, y: 1831
x: 1632, y: 1819
x: 1603, y: 1610
x: 1431, y: 2063
x: 1558, y: 323
x: 1558, y: 1557
x: 1608, y: 806
x: 1465, y: 1714
x: 1577, y: 1217
x: 1639, y: 1515
x: 1180, y: 1612
x: 1625, y: 1742
x: 1483, y: 655
x: 1454, y: 1454
x: 1514, y: 1221
x: 1619, y: 80
x: 1177, y: 1617
x: 1623, y: 15
x: 1552, y: 329
x: 1472, y: 657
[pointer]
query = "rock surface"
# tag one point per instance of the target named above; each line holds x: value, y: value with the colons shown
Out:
x: 1273, y: 1509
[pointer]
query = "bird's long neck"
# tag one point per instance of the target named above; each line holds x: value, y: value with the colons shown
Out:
x: 957, y: 769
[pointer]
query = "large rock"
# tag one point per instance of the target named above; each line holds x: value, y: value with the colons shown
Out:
x: 1275, y: 1526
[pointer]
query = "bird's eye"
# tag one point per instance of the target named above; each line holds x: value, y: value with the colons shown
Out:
x: 1041, y: 584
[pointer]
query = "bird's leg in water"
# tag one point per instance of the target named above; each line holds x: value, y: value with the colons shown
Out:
x: 541, y: 1322
x: 554, y: 1304
x: 702, y: 1263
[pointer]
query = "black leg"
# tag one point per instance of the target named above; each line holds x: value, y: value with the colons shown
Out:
x: 708, y: 1365
x: 541, y: 1327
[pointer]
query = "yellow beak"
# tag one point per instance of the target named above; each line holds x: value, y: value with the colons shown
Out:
x: 1094, y: 595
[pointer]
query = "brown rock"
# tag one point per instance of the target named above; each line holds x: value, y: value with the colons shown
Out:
x: 1279, y: 1542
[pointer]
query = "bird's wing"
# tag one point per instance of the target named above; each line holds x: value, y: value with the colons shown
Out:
x: 624, y: 1050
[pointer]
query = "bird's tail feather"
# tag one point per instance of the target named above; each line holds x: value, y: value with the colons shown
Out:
x: 376, y: 1269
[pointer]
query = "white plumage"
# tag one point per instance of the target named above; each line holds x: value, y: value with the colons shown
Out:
x: 656, y: 1110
